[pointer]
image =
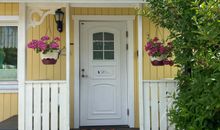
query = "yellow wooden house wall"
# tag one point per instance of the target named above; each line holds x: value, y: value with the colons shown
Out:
x: 37, y: 71
x: 8, y: 101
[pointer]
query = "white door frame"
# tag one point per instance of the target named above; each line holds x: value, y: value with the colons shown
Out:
x: 129, y: 19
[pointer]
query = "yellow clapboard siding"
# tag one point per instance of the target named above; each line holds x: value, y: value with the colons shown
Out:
x: 57, y: 66
x: 14, y: 104
x: 1, y: 107
x: 2, y: 9
x: 43, y: 30
x: 30, y: 57
x: 15, y: 8
x: 8, y: 105
x: 146, y: 61
x: 9, y: 8
x: 49, y: 69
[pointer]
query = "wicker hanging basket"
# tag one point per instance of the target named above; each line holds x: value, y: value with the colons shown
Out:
x: 50, y: 58
x: 157, y: 61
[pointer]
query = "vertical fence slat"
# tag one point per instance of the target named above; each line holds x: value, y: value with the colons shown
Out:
x: 45, y: 106
x: 170, y: 90
x: 154, y: 105
x: 29, y: 107
x: 163, y: 106
x: 63, y: 105
x: 157, y: 103
x: 54, y: 106
x: 147, y: 125
x: 37, y: 106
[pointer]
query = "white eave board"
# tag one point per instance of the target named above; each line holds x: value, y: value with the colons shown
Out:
x: 76, y: 1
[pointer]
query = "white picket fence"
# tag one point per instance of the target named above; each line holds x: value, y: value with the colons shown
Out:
x: 157, y: 103
x: 45, y: 105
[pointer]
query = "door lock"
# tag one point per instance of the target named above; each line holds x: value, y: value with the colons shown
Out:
x: 83, y: 75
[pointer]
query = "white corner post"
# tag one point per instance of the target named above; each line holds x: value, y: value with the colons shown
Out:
x: 140, y: 73
x: 21, y: 65
x: 76, y: 72
x: 130, y: 63
x: 68, y: 66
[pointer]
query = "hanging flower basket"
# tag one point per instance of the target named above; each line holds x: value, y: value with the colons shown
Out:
x: 50, y: 58
x: 48, y: 49
x: 157, y: 60
x: 159, y: 52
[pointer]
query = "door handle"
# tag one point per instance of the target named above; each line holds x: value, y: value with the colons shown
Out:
x: 83, y: 75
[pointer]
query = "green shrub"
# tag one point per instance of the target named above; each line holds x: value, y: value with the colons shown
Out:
x: 195, y: 31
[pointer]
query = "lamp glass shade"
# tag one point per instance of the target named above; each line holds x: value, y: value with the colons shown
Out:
x: 59, y: 15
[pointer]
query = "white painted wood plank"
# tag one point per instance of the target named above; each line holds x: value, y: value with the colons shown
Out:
x: 63, y: 105
x: 163, y: 106
x: 21, y: 71
x: 37, y: 106
x: 154, y: 106
x: 54, y: 106
x: 171, y: 87
x: 29, y: 107
x: 147, y: 102
x: 45, y: 106
x: 130, y: 71
x: 140, y: 72
x: 66, y: 96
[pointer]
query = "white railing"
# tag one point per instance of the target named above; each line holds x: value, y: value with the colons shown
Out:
x: 157, y: 102
x: 45, y: 105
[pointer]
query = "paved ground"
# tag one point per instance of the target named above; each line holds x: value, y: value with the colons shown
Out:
x: 12, y: 124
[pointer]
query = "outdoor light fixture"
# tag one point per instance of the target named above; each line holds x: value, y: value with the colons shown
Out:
x: 59, y: 15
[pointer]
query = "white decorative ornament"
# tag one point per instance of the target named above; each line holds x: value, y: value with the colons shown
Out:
x: 42, y: 11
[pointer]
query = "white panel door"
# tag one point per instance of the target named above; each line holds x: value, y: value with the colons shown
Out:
x: 103, y: 82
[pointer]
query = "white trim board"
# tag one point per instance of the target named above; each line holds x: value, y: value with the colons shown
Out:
x: 78, y: 1
x: 9, y: 18
x: 129, y: 20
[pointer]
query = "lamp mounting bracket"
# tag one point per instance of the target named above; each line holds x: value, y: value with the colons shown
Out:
x: 42, y: 11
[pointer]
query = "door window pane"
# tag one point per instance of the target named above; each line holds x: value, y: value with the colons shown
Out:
x: 109, y: 55
x: 98, y: 55
x: 97, y: 45
x: 109, y: 46
x: 103, y: 46
x: 108, y: 36
x: 8, y: 53
x: 98, y: 36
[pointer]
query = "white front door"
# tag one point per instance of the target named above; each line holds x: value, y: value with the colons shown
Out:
x: 103, y: 82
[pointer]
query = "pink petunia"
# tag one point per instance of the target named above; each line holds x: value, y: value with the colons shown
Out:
x: 162, y: 49
x: 32, y: 44
x: 45, y: 38
x: 42, y: 45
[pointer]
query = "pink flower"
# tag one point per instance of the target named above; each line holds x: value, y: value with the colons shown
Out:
x: 148, y: 46
x: 54, y: 45
x: 162, y: 49
x: 57, y: 39
x: 32, y: 44
x: 42, y: 45
x: 45, y: 38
